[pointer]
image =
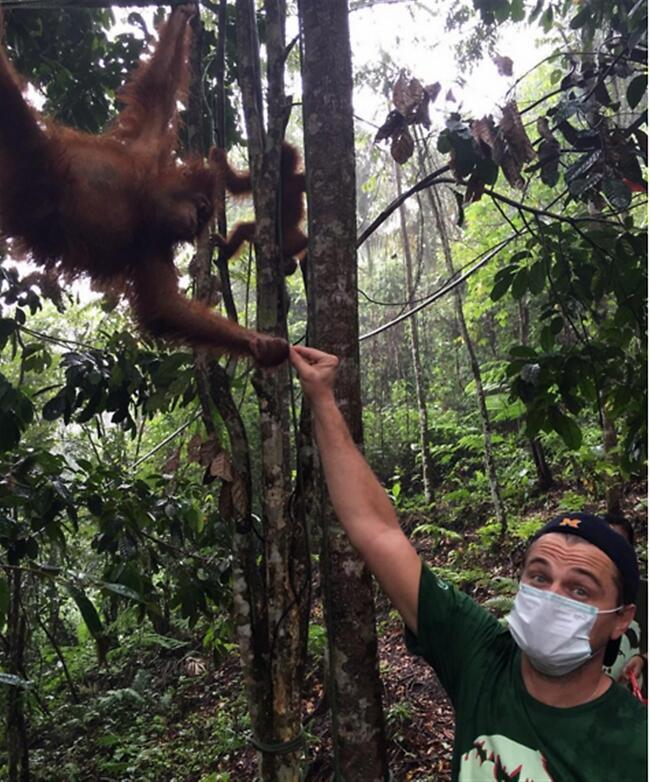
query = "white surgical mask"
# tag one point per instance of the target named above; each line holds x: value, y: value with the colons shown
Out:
x: 553, y: 630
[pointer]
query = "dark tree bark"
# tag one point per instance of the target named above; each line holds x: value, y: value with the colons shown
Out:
x: 17, y: 743
x: 354, y: 688
x: 268, y: 611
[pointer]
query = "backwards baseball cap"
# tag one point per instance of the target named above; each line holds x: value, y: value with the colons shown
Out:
x: 596, y: 530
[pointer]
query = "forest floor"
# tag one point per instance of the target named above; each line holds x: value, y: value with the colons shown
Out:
x: 172, y: 715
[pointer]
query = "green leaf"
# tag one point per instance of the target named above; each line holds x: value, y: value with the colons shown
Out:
x: 616, y: 192
x: 87, y: 611
x: 636, y: 89
x: 55, y: 407
x: 547, y: 339
x: 517, y: 11
x: 549, y: 158
x: 121, y: 590
x: 566, y: 427
x: 522, y: 351
x: 7, y: 328
x: 582, y: 17
x: 461, y: 211
x: 537, y: 277
x: 547, y: 20
x: 520, y: 283
x: 444, y: 145
x: 500, y: 288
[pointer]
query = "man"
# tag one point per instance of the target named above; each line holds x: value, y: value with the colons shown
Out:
x: 532, y: 701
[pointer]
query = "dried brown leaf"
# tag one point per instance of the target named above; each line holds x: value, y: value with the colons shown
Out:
x: 515, y: 135
x: 512, y: 171
x: 513, y: 148
x: 433, y: 90
x: 408, y: 93
x: 221, y: 467
x: 395, y: 123
x: 475, y: 188
x: 504, y: 65
x: 422, y: 112
x: 544, y: 130
x: 209, y: 449
x: 172, y: 464
x: 402, y: 147
x: 484, y: 133
x: 194, y: 449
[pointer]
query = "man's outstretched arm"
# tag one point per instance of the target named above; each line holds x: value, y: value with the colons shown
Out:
x: 359, y: 500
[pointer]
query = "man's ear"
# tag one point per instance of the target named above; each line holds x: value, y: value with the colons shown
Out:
x: 623, y: 619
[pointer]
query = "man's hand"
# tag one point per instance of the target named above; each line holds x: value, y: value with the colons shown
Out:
x: 316, y: 370
x: 633, y: 667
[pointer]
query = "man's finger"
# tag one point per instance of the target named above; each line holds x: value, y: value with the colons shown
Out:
x: 295, y: 358
x: 311, y: 354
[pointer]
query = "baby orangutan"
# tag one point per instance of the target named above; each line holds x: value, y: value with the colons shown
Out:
x: 292, y: 207
x: 114, y: 206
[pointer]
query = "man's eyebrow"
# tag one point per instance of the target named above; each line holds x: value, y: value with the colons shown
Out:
x: 536, y: 560
x: 588, y: 574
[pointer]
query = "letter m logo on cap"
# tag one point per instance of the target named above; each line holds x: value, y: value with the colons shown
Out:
x: 575, y: 523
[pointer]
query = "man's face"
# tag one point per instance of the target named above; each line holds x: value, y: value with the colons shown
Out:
x: 574, y: 568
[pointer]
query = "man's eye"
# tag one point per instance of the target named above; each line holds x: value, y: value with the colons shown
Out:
x: 580, y: 591
x: 537, y: 578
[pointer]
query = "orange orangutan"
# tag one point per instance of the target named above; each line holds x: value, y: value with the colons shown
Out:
x: 115, y: 206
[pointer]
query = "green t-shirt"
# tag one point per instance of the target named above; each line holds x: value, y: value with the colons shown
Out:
x: 502, y: 733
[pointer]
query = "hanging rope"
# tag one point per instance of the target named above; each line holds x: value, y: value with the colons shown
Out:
x: 443, y: 291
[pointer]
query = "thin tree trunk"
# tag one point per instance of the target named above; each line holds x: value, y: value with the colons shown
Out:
x: 260, y: 617
x: 354, y: 687
x: 613, y: 490
x: 427, y: 482
x: 17, y: 745
x: 490, y: 465
x: 284, y: 540
x: 544, y: 474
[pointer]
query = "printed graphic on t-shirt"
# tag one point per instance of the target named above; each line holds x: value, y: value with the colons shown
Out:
x: 504, y: 760
x: 629, y: 646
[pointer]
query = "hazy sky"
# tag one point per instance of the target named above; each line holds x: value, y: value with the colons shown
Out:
x: 416, y: 39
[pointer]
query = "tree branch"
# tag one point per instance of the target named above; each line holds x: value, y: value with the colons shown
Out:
x: 428, y: 181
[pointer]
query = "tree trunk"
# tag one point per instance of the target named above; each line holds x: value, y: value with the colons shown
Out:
x: 17, y: 746
x: 284, y: 540
x: 614, y: 488
x: 354, y: 687
x: 490, y: 465
x: 544, y: 475
x: 267, y: 603
x: 427, y: 482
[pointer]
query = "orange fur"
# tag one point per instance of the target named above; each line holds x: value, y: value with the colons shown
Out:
x: 294, y: 241
x: 114, y: 206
